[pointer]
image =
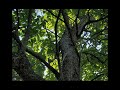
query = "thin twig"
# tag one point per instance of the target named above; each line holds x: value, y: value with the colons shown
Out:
x: 57, y: 51
x: 99, y: 32
x: 52, y: 32
x: 54, y: 15
x: 97, y: 77
x: 94, y: 57
x: 91, y: 21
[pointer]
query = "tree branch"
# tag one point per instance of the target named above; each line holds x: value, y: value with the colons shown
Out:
x: 94, y: 57
x: 91, y: 21
x: 14, y: 35
x: 97, y: 77
x: 27, y: 33
x: 52, y: 32
x: 53, y: 14
x: 57, y: 51
x: 66, y: 21
x: 76, y: 20
x: 56, y: 16
x: 38, y: 56
x: 99, y: 32
x: 22, y: 66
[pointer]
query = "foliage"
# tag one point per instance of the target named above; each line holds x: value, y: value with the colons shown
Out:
x: 15, y: 76
x: 92, y: 45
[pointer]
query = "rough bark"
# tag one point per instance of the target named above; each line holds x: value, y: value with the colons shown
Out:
x: 22, y: 66
x: 39, y: 57
x: 70, y: 58
x: 70, y: 70
x: 17, y: 60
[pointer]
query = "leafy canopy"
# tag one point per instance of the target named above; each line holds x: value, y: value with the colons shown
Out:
x: 93, y: 44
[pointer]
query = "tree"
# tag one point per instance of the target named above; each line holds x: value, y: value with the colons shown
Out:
x: 60, y: 44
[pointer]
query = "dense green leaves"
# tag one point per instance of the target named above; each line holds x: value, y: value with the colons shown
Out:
x: 92, y: 45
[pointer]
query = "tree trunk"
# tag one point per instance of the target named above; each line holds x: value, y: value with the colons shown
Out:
x: 22, y: 66
x: 70, y: 70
